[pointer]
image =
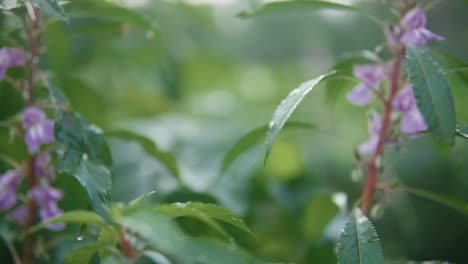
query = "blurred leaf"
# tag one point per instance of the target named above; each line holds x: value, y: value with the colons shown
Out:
x: 318, y: 214
x: 166, y: 158
x: 106, y: 9
x: 84, y: 253
x: 359, y: 242
x: 86, y: 157
x: 106, y: 236
x: 11, y: 101
x: 50, y: 8
x: 462, y: 131
x: 286, y: 108
x: 139, y: 201
x: 115, y: 259
x: 282, y: 6
x: 205, y: 213
x: 167, y: 238
x: 433, y: 95
x: 457, y: 205
x: 57, y: 97
x: 73, y: 217
x: 252, y: 138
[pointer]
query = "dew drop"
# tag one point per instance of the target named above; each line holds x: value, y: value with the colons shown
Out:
x: 79, y: 238
x: 271, y: 124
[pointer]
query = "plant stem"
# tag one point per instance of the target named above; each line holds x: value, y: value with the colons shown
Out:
x: 127, y: 249
x: 32, y: 37
x: 372, y: 167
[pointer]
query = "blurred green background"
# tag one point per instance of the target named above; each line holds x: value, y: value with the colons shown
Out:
x: 194, y: 77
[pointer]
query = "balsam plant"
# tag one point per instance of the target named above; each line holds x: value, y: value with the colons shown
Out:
x: 406, y: 93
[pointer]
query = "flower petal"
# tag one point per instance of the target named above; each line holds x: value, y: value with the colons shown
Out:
x: 413, y: 19
x: 360, y: 95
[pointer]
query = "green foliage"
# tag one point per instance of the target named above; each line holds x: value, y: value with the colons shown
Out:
x: 286, y: 108
x: 205, y: 213
x: 84, y: 253
x: 295, y: 5
x: 74, y: 217
x: 253, y: 137
x: 11, y: 101
x: 433, y: 95
x: 108, y: 10
x: 457, y: 205
x: 359, y: 242
x: 462, y: 131
x: 165, y: 157
x: 318, y: 213
x: 163, y: 235
x: 86, y: 157
x: 50, y: 8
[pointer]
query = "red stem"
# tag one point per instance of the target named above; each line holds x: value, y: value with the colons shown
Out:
x: 32, y: 37
x: 372, y: 168
x: 127, y: 249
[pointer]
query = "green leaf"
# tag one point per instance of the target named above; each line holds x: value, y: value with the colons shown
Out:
x: 106, y: 9
x: 462, y: 131
x: 50, y: 8
x: 282, y: 6
x: 86, y: 157
x: 109, y: 237
x: 84, y: 253
x: 167, y: 238
x: 166, y: 158
x: 205, y: 213
x: 253, y: 137
x: 11, y: 101
x: 139, y: 201
x: 74, y: 217
x: 457, y: 205
x: 286, y: 108
x: 359, y: 242
x: 58, y: 98
x: 433, y: 95
x: 318, y: 214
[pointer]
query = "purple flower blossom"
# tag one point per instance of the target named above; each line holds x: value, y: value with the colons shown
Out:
x: 42, y: 166
x: 370, y: 75
x: 39, y: 130
x: 375, y: 126
x: 19, y: 215
x: 404, y: 101
x: 45, y: 195
x: 10, y: 57
x: 46, y: 198
x: 414, y: 26
x: 413, y: 123
x: 9, y: 182
x: 50, y: 211
x: 360, y: 95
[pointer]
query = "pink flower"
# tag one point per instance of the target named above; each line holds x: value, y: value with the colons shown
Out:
x: 39, y: 130
x: 20, y: 214
x: 46, y: 198
x: 370, y: 75
x: 9, y: 182
x: 375, y: 126
x: 10, y: 57
x: 414, y: 27
x: 404, y: 101
x: 42, y: 166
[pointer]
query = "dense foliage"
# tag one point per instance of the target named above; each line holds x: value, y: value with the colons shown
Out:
x: 121, y: 128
